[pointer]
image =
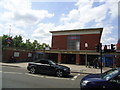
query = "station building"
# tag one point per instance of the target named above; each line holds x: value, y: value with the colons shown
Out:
x: 69, y: 46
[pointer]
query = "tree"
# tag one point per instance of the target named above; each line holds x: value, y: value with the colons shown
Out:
x: 44, y: 45
x: 23, y: 45
x: 4, y: 41
x: 17, y: 41
x: 39, y: 46
x: 35, y: 44
x: 29, y: 44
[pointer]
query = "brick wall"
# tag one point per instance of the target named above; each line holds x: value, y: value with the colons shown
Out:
x: 59, y: 42
x: 91, y: 39
x: 117, y: 61
x: 7, y: 53
x: 118, y: 46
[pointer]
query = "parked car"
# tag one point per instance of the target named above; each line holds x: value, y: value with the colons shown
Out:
x: 109, y: 79
x: 48, y: 67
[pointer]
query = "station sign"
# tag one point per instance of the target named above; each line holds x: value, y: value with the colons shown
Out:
x: 9, y: 40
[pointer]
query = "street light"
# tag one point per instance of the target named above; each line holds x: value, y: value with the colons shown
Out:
x: 86, y: 46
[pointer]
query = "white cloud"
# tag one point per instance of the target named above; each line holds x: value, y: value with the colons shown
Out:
x: 98, y: 16
x: 105, y: 39
x: 86, y: 13
x: 21, y: 16
x: 73, y: 15
x: 42, y: 33
x: 15, y: 5
x: 109, y: 40
x: 32, y: 17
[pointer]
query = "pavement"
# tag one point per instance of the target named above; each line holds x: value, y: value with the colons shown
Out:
x: 74, y: 68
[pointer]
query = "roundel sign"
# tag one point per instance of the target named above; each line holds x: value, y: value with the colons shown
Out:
x: 9, y: 40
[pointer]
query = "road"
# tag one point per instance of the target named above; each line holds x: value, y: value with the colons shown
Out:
x: 16, y: 77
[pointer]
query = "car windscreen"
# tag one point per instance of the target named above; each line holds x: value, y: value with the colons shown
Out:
x: 37, y: 61
x: 109, y: 74
x: 51, y: 62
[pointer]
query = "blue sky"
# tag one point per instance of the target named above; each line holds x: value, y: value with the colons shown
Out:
x: 57, y: 8
x: 33, y: 19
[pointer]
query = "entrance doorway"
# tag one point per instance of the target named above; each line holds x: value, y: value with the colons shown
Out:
x: 68, y: 58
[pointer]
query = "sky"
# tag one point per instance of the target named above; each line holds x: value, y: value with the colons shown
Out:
x: 33, y: 19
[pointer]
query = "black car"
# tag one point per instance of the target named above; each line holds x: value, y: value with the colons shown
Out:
x: 48, y: 67
x: 109, y: 79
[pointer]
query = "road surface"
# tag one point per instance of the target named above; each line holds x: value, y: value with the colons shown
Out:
x: 16, y: 77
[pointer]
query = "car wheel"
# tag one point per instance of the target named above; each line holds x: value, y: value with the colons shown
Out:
x: 59, y: 73
x: 32, y: 70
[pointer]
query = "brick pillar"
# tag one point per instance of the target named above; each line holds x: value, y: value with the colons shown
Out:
x: 77, y: 59
x: 59, y: 57
x: 118, y: 46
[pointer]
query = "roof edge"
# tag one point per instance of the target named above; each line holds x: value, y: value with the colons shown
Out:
x: 90, y: 29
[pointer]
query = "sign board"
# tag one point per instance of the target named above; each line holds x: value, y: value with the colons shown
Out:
x: 9, y: 40
x: 29, y: 54
x: 16, y: 54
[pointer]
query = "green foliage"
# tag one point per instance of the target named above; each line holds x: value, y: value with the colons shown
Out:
x: 17, y: 42
x: 4, y: 43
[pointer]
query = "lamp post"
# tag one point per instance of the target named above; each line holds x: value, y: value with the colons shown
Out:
x: 101, y: 57
x: 86, y: 46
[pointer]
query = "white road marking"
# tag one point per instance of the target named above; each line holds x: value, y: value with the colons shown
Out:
x: 58, y: 78
x: 75, y: 77
x: 44, y: 76
x: 13, y: 72
x: 10, y: 66
x: 34, y: 75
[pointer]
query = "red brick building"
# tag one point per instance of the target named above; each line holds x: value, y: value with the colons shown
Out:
x: 68, y: 46
x: 9, y: 54
x: 63, y: 40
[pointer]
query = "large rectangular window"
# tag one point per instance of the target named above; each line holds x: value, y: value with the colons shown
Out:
x: 73, y: 42
x: 16, y: 54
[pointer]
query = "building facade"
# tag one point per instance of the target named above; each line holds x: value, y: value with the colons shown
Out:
x: 76, y: 39
x: 68, y: 46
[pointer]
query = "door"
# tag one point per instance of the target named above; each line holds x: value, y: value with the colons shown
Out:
x: 43, y: 66
x: 109, y: 61
x: 115, y: 82
x: 47, y: 67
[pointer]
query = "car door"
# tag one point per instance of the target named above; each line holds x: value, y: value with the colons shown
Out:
x: 115, y: 82
x: 51, y: 68
x: 45, y: 66
x: 48, y: 67
x: 40, y: 66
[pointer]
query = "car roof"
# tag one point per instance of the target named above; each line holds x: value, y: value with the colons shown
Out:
x: 118, y: 69
x: 42, y: 59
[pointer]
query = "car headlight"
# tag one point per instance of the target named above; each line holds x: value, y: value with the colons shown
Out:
x: 65, y: 69
x: 84, y: 83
